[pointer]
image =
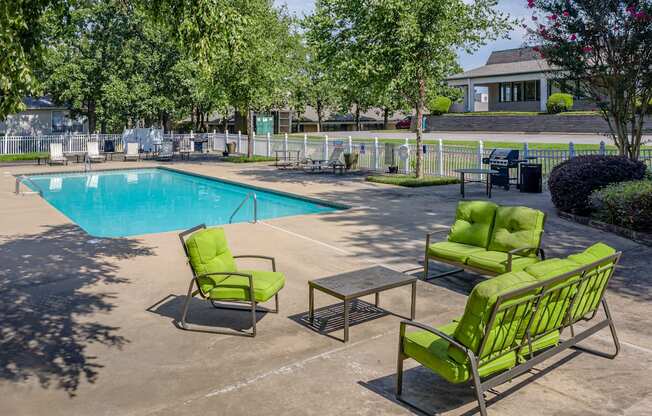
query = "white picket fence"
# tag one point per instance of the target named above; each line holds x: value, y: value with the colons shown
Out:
x: 439, y: 159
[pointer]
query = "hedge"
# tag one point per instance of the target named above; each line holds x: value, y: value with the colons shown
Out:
x: 559, y: 102
x: 627, y: 204
x: 439, y: 105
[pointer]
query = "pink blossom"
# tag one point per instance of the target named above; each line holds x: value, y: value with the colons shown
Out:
x: 641, y: 16
x: 573, y: 37
x: 566, y: 13
x: 536, y: 49
x: 587, y: 49
x: 552, y: 17
x: 631, y: 9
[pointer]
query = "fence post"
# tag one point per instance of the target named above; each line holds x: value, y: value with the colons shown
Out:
x: 269, y: 145
x: 226, y: 139
x: 237, y: 145
x: 480, y: 156
x: 305, y: 145
x: 376, y: 151
x: 325, y: 147
x: 6, y: 141
x: 350, y: 145
x: 526, y: 151
x: 603, y: 149
x: 571, y: 149
x: 406, y: 168
x: 440, y: 156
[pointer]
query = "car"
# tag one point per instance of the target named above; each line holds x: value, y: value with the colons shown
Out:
x: 405, y: 123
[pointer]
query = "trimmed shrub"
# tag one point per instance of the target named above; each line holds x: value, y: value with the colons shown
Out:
x: 439, y: 105
x: 559, y: 102
x: 627, y: 204
x: 572, y: 182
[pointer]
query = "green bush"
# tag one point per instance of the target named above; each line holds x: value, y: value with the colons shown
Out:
x: 559, y: 102
x: 627, y: 204
x: 439, y: 105
x: 411, y: 181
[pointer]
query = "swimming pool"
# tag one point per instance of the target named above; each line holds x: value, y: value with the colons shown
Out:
x: 122, y: 203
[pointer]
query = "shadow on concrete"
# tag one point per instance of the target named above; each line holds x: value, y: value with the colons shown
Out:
x: 330, y: 318
x: 201, y: 312
x: 428, y: 393
x: 47, y: 311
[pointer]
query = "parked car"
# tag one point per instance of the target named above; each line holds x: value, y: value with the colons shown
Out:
x: 405, y: 123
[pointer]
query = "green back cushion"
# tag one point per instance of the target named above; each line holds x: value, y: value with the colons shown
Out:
x: 477, y: 313
x: 209, y: 252
x: 473, y: 223
x: 516, y: 227
x: 591, y: 289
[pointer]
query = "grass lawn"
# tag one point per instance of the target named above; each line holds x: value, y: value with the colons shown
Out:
x: 411, y: 181
x: 245, y: 159
x: 26, y: 156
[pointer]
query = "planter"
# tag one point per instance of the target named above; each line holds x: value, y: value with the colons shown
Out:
x: 637, y: 236
x: 351, y: 161
x: 230, y: 147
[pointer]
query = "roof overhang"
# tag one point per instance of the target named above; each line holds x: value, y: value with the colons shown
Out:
x: 526, y: 76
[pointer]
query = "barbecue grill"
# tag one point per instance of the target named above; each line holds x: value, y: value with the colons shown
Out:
x: 502, y: 160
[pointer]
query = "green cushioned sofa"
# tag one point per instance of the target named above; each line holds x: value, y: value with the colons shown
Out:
x: 515, y: 321
x: 216, y: 277
x: 489, y: 239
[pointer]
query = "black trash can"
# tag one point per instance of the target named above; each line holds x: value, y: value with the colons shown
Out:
x: 109, y: 146
x: 531, y: 178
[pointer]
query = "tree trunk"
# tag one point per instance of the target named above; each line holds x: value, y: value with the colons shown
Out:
x: 92, y: 116
x: 357, y: 117
x: 250, y: 132
x: 385, y: 118
x: 420, y: 104
x: 319, y: 115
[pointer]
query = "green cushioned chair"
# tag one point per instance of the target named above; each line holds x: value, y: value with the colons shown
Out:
x: 217, y: 278
x: 489, y: 239
x: 513, y: 322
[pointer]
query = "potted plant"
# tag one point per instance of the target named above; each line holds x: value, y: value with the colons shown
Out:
x: 351, y: 160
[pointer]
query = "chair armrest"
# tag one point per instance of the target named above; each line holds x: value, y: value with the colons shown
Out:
x: 254, y: 256
x: 523, y: 250
x: 430, y: 234
x: 247, y: 275
x: 437, y: 332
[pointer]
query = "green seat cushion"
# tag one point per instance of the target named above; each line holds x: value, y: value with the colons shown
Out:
x: 544, y: 342
x: 266, y: 285
x: 453, y: 251
x: 516, y: 227
x: 496, y: 261
x: 547, y: 269
x: 431, y: 351
x: 591, y: 289
x: 477, y: 313
x: 208, y: 252
x: 473, y: 223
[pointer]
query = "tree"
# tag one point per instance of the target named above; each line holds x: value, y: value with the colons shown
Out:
x: 410, y: 45
x: 606, y: 48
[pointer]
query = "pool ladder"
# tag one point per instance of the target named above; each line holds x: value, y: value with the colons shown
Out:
x: 22, y: 178
x: 252, y: 196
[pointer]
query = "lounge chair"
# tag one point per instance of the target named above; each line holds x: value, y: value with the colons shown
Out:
x: 93, y: 152
x: 56, y: 154
x: 216, y: 278
x: 132, y: 152
x: 166, y: 152
x: 514, y: 322
x: 186, y: 148
x: 489, y: 239
x: 333, y: 162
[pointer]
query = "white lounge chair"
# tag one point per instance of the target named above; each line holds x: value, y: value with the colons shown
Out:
x: 166, y: 152
x: 93, y: 152
x: 132, y: 152
x: 56, y: 154
x: 332, y: 163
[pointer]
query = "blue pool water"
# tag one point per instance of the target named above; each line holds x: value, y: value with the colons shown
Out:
x: 142, y: 201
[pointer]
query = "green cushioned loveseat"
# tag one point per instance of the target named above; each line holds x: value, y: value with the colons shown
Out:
x: 515, y: 321
x: 489, y: 239
x: 216, y: 277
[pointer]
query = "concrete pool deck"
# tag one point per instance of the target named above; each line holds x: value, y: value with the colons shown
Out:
x: 87, y: 323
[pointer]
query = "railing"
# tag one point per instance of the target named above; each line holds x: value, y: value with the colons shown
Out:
x: 252, y: 196
x: 439, y: 159
x: 23, y: 178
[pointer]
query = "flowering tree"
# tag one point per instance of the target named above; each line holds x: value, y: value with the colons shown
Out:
x: 606, y: 47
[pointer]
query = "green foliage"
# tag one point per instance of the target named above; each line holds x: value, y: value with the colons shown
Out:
x: 627, y: 204
x: 24, y: 156
x: 559, y: 102
x: 439, y: 105
x: 411, y: 181
x: 247, y: 159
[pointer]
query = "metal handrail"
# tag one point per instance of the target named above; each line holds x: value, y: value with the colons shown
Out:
x: 251, y: 195
x: 22, y: 178
x: 87, y: 162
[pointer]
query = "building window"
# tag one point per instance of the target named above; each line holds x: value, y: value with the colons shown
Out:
x: 61, y: 123
x: 519, y: 91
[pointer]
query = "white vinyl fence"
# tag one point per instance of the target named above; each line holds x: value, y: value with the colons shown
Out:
x: 439, y: 159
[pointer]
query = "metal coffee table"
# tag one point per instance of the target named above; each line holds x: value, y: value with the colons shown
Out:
x: 358, y: 283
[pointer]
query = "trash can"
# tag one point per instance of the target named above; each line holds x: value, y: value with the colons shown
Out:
x: 531, y: 178
x: 230, y: 147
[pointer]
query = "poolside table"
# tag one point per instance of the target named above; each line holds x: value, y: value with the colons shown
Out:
x: 476, y: 171
x: 285, y: 159
x: 352, y: 285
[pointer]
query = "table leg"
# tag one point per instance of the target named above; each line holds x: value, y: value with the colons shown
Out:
x: 414, y: 301
x: 311, y: 304
x: 462, y: 184
x: 346, y: 320
x: 377, y: 298
x: 489, y: 185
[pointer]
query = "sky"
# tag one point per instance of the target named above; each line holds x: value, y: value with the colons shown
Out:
x: 516, y: 8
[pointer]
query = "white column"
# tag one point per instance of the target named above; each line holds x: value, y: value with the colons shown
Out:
x: 285, y: 142
x: 237, y: 146
x: 226, y: 138
x: 543, y: 83
x: 269, y: 145
x: 376, y: 152
x: 325, y: 148
x: 470, y: 96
